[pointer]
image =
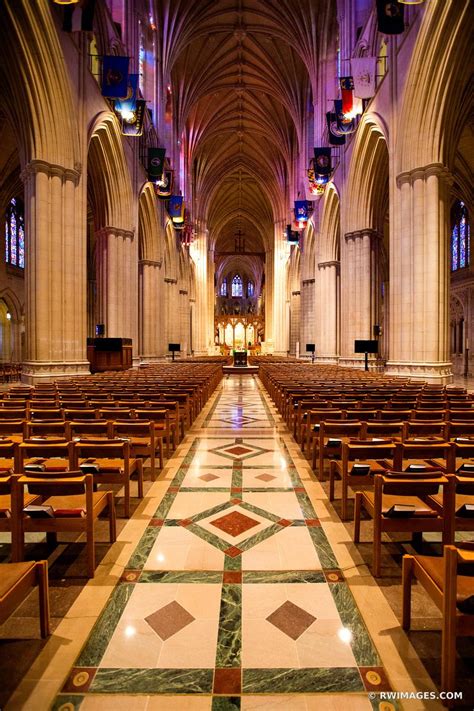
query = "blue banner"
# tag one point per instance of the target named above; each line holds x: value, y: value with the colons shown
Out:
x: 115, y: 77
x: 301, y: 210
x: 129, y: 104
x: 176, y: 208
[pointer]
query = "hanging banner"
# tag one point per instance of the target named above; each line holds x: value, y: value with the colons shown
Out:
x: 322, y: 161
x: 176, y: 208
x: 291, y: 235
x: 164, y: 185
x: 334, y: 138
x: 301, y: 210
x: 129, y: 104
x: 363, y: 74
x: 390, y: 19
x: 156, y: 163
x: 343, y: 123
x: 79, y: 18
x: 115, y: 77
x: 347, y: 96
x: 132, y: 125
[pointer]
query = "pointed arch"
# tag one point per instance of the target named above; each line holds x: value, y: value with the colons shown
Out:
x: 148, y: 225
x: 329, y: 247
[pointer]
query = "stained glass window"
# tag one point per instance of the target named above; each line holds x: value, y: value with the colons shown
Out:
x: 15, y: 234
x: 237, y: 286
x: 460, y: 237
x: 223, y: 291
x: 250, y: 288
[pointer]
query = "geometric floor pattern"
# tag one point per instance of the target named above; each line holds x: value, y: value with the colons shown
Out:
x: 233, y: 597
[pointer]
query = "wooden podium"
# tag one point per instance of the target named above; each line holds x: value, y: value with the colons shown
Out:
x: 109, y: 354
x: 240, y: 359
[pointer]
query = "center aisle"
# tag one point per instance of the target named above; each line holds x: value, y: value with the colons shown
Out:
x: 234, y: 588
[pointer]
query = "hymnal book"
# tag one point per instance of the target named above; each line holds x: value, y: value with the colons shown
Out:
x: 466, y: 511
x: 316, y: 428
x: 70, y: 512
x: 35, y: 467
x: 39, y: 511
x: 89, y: 467
x: 466, y: 467
x: 360, y: 469
x: 333, y: 442
x: 464, y: 440
x: 416, y: 468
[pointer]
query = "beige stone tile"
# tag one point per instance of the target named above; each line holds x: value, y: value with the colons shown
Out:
x: 179, y: 703
x: 187, y: 504
x: 178, y: 549
x: 114, y: 702
x: 283, y: 504
x: 274, y: 703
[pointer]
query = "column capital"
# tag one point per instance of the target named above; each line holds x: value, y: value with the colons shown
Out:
x: 115, y: 231
x: 326, y: 265
x: 422, y: 173
x: 51, y: 170
x: 150, y: 263
x: 360, y: 234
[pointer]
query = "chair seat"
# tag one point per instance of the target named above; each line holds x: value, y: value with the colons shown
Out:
x: 388, y: 501
x: 433, y: 565
x: 6, y: 504
x: 75, y: 501
x: 461, y: 500
x: 6, y: 465
x: 11, y: 574
x: 109, y: 466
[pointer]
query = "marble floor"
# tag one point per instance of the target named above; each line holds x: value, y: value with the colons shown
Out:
x: 233, y: 586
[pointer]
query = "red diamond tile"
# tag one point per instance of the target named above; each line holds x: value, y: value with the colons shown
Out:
x: 233, y: 551
x: 227, y: 681
x: 313, y: 522
x: 169, y: 620
x: 208, y: 477
x: 284, y: 522
x: 173, y: 489
x: 236, y: 501
x: 156, y: 522
x: 291, y: 619
x: 232, y: 576
x: 234, y: 523
x: 265, y: 477
x: 236, y: 490
x: 300, y: 490
x: 238, y: 450
x: 185, y: 522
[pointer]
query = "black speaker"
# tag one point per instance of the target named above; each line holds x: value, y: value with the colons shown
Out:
x: 310, y: 348
x: 174, y: 347
x: 377, y: 330
x: 100, y: 330
x: 366, y: 346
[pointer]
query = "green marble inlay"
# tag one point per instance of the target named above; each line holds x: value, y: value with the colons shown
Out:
x: 305, y: 505
x: 364, y: 651
x: 237, y: 477
x: 202, y: 489
x: 210, y: 512
x: 275, y: 576
x: 233, y: 563
x: 229, y: 637
x: 259, y: 537
x: 165, y: 505
x: 323, y: 549
x: 259, y: 511
x: 208, y: 536
x: 105, y: 626
x: 177, y: 576
x: 306, y: 681
x: 153, y: 681
x: 225, y: 703
x: 267, y: 489
x: 73, y: 701
x: 143, y: 549
x: 172, y: 522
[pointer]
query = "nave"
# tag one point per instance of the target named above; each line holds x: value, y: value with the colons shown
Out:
x: 236, y: 586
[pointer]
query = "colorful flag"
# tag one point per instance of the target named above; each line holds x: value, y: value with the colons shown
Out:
x: 132, y: 125
x: 347, y: 89
x: 176, y: 208
x: 344, y: 124
x: 164, y: 185
x: 129, y: 104
x: 115, y: 77
x: 156, y: 163
x: 390, y: 17
x: 322, y: 161
x: 291, y: 235
x: 79, y: 18
x: 334, y: 138
x: 301, y: 210
x: 363, y: 73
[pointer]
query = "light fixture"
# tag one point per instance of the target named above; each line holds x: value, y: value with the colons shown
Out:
x: 66, y: 2
x: 411, y: 2
x: 9, y: 316
x: 127, y: 115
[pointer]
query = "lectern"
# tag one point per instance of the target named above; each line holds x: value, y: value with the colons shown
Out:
x: 109, y: 354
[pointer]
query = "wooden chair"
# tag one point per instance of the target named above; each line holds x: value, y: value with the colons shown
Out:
x: 16, y: 582
x: 400, y: 502
x: 161, y: 421
x: 423, y: 452
x: 329, y: 443
x: 74, y: 505
x: 360, y: 461
x: 12, y: 430
x: 41, y: 429
x: 452, y: 592
x: 86, y: 429
x: 6, y: 506
x: 143, y: 442
x: 50, y: 455
x: 110, y: 463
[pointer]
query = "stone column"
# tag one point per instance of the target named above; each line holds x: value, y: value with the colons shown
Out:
x: 117, y: 283
x: 150, y: 320
x: 328, y: 306
x: 198, y: 252
x: 360, y: 299
x: 55, y: 273
x: 419, y: 276
x: 280, y: 310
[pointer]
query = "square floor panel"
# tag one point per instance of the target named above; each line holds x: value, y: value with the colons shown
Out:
x: 176, y: 548
x: 283, y: 504
x: 289, y: 549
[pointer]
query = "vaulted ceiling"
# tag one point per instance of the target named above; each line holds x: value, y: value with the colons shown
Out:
x: 243, y: 75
